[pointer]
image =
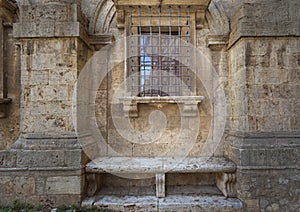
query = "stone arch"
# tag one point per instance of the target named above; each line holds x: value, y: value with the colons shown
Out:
x: 103, y: 17
x: 7, y: 13
x: 217, y: 19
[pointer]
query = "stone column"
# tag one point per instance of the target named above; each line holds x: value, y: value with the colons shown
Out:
x: 52, y: 42
x: 264, y: 141
x: 54, y: 49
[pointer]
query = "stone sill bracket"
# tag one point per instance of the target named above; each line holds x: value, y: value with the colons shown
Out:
x: 189, y: 104
x: 4, y: 102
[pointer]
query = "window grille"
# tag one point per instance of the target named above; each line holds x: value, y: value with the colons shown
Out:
x: 159, y: 52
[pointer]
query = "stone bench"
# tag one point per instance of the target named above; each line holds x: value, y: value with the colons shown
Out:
x: 225, y: 169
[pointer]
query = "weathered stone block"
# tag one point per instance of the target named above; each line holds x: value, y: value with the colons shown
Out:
x: 71, y: 158
x: 28, y: 13
x: 58, y: 92
x: 54, y: 12
x: 40, y: 159
x: 18, y: 185
x: 45, y: 29
x: 43, y: 61
x: 150, y: 150
x: 64, y: 185
x: 295, y: 123
x: 67, y: 29
x: 26, y: 29
x: 117, y: 145
x: 40, y: 77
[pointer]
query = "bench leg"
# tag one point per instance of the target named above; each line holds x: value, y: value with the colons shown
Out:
x: 93, y: 183
x: 160, y: 185
x: 226, y: 183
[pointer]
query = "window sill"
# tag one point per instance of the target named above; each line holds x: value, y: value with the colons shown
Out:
x: 189, y: 103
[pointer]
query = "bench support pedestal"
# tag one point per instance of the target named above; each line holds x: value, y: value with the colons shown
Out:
x: 160, y: 185
x: 226, y: 184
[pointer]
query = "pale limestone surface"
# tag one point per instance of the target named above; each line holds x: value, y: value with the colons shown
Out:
x: 171, y: 203
x: 160, y: 165
x: 253, y: 47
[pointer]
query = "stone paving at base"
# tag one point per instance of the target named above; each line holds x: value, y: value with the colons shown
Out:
x: 169, y: 203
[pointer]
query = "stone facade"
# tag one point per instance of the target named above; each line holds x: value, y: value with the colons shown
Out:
x: 64, y: 103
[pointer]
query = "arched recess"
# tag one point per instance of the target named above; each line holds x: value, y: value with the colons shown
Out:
x: 102, y: 14
x: 103, y: 19
x: 217, y: 19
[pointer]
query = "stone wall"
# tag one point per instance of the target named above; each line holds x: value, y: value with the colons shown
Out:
x: 49, y: 177
x: 45, y: 164
x: 264, y: 98
x: 258, y: 71
x: 262, y: 18
x: 268, y: 174
x: 265, y: 85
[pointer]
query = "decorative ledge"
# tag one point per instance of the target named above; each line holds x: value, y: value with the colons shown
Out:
x: 215, y: 41
x: 100, y: 40
x: 154, y: 165
x: 189, y: 103
x: 3, y: 106
x: 199, y: 7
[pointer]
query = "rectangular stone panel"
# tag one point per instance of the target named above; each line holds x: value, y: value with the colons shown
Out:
x: 63, y: 185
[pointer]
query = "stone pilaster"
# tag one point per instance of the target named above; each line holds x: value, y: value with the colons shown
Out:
x: 54, y: 49
x: 264, y: 140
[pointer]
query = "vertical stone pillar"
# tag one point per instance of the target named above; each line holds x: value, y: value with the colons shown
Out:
x: 52, y: 44
x: 53, y: 51
x: 264, y: 140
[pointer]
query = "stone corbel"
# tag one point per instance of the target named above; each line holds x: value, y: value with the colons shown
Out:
x: 130, y: 109
x: 120, y: 19
x: 226, y: 184
x: 190, y: 109
x: 217, y: 42
x: 200, y: 18
x: 100, y: 40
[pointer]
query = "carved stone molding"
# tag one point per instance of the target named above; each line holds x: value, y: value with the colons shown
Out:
x: 189, y: 103
x: 126, y: 3
x: 200, y: 18
x: 120, y: 19
x: 197, y: 6
x: 98, y: 41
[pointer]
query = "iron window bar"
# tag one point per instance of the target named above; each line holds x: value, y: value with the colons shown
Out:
x: 159, y: 63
